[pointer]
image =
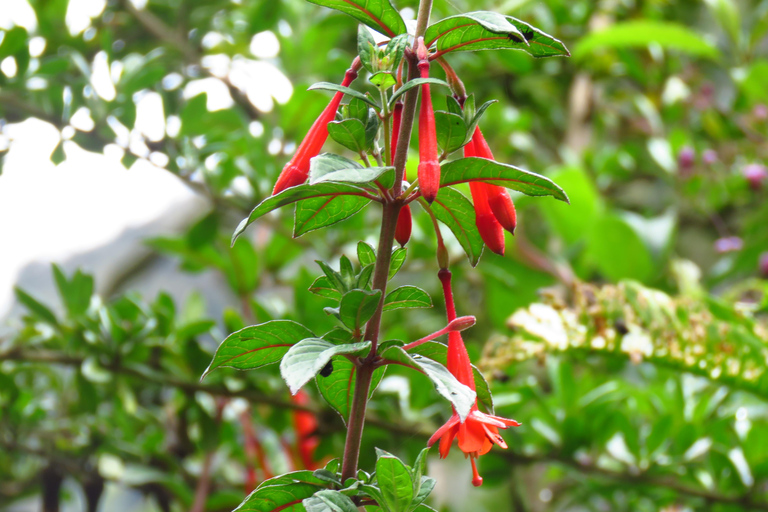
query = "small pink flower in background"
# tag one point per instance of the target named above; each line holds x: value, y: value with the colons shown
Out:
x: 686, y: 159
x: 756, y: 175
x: 709, y: 156
x: 760, y: 112
x: 728, y: 244
x: 764, y: 265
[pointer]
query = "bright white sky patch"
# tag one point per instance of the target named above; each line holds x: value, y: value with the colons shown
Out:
x: 101, y: 79
x: 265, y: 45
x: 218, y: 93
x: 17, y: 13
x: 80, y: 13
x: 150, y: 117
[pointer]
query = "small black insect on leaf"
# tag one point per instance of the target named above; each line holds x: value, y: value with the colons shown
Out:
x: 513, y: 37
x: 528, y: 34
x: 327, y: 369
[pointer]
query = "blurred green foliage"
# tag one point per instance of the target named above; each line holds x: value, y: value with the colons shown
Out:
x: 650, y: 129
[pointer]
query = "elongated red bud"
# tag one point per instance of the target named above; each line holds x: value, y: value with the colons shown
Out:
x: 503, y: 208
x: 429, y: 165
x: 296, y: 171
x: 461, y: 323
x: 489, y: 228
x: 500, y: 203
x: 404, y: 226
x: 397, y: 117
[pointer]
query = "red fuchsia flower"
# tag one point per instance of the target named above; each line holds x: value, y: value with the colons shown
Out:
x: 429, y: 165
x: 296, y: 171
x: 480, y: 431
x: 491, y: 231
x: 404, y: 225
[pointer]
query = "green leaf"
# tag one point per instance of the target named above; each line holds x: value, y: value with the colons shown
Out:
x: 540, y: 44
x: 294, y: 194
x: 415, y: 83
x: 350, y: 133
x: 258, y: 345
x: 383, y: 79
x: 364, y: 278
x: 451, y: 132
x: 426, y: 485
x: 328, y: 500
x: 358, y: 109
x: 323, y: 288
x: 327, y: 163
x: 13, y: 40
x: 329, y: 167
x: 380, y: 15
x: 371, y: 129
x: 641, y: 33
x: 334, y: 278
x: 489, y: 171
x: 39, y: 309
x: 328, y: 86
x: 366, y: 48
x: 394, y: 481
x: 398, y: 258
x: 461, y: 396
x: 456, y: 211
x: 472, y: 123
x: 306, y: 358
x: 453, y: 105
x: 283, y: 493
x: 407, y: 297
x: 480, y: 30
x: 320, y: 212
x: 396, y: 49
x: 338, y: 387
x: 618, y: 251
x: 76, y: 292
x: 439, y: 352
x: 365, y: 254
x: 357, y: 307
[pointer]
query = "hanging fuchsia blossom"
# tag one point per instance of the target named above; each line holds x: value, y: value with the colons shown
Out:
x: 296, y: 171
x: 480, y: 431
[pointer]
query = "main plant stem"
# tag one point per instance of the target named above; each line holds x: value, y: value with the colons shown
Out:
x: 389, y: 215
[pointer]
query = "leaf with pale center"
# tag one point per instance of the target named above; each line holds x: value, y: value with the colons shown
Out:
x: 306, y: 358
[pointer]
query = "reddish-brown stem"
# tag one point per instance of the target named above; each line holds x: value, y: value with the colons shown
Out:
x: 390, y: 212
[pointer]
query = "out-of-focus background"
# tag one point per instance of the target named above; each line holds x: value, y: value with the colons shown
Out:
x: 627, y: 331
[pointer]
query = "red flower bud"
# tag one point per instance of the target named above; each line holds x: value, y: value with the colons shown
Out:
x: 404, y: 226
x: 397, y: 116
x: 501, y: 204
x: 296, y: 171
x: 503, y: 208
x: 491, y: 231
x: 429, y: 166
